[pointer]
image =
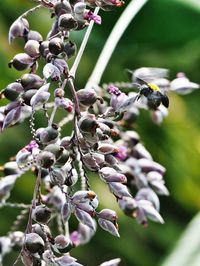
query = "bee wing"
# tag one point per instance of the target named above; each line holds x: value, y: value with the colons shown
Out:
x: 165, y: 100
x: 149, y: 74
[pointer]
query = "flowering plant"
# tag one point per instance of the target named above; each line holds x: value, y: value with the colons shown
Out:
x: 103, y: 139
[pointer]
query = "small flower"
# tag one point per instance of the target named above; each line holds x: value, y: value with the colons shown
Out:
x: 114, y: 90
x: 89, y: 15
x: 32, y: 145
x: 122, y: 153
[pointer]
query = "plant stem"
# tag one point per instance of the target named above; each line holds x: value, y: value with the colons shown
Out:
x: 83, y: 45
x: 126, y: 17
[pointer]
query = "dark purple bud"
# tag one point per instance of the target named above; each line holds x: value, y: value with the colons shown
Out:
x: 51, y: 71
x: 12, y: 117
x: 141, y: 152
x: 66, y: 211
x: 57, y: 177
x: 150, y: 195
x: 21, y: 61
x: 61, y: 64
x: 19, y: 28
x: 45, y: 159
x: 93, y: 161
x: 87, y: 96
x: 88, y: 124
x: 84, y: 218
x: 13, y: 90
x: 119, y: 190
x: 63, y: 244
x: 148, y: 165
x: 32, y: 48
x: 31, y: 81
x: 54, y: 148
x: 11, y: 168
x: 41, y: 96
x: 70, y: 49
x: 64, y: 103
x: 116, y: 177
x: 41, y: 214
x: 42, y: 230
x: 27, y: 96
x: 149, y: 211
x: 83, y: 196
x: 62, y: 8
x: 56, y: 46
x: 109, y: 227
x: 34, y: 35
x: 44, y: 48
x: 106, y: 171
x: 108, y: 214
x: 11, y: 106
x: 34, y: 243
x: 67, y: 22
x: 49, y: 134
x: 107, y: 148
x: 128, y: 206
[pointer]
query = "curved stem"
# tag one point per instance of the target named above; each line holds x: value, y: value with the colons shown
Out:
x: 126, y: 17
x: 83, y: 45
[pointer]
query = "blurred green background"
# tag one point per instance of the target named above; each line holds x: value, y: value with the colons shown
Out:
x: 166, y: 33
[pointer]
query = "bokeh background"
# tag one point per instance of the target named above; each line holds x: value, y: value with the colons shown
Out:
x: 166, y: 33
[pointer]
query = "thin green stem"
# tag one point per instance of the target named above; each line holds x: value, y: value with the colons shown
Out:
x: 126, y: 17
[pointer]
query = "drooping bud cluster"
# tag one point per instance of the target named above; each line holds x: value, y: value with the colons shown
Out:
x: 102, y: 140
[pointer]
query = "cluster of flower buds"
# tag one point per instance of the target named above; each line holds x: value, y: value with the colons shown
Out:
x: 102, y: 140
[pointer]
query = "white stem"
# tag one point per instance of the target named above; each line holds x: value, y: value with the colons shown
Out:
x: 83, y: 45
x: 126, y: 17
x: 52, y: 115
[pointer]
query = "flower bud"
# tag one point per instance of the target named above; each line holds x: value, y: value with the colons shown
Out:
x: 87, y: 96
x: 13, y: 90
x: 34, y: 35
x: 108, y: 215
x: 107, y: 148
x: 128, y: 206
x: 67, y: 22
x: 49, y: 134
x: 63, y: 157
x: 19, y: 28
x: 27, y: 96
x: 31, y: 81
x: 21, y: 61
x: 94, y: 161
x: 63, y: 244
x: 32, y: 48
x: 56, y: 46
x: 117, y: 177
x: 42, y: 230
x: 55, y: 149
x: 34, y: 243
x: 59, y: 92
x: 41, y: 214
x: 17, y: 240
x: 46, y: 159
x: 66, y: 142
x: 62, y: 8
x: 44, y: 48
x: 11, y: 168
x: 70, y: 49
x: 88, y: 124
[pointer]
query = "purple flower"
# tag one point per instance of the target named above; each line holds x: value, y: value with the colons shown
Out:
x: 122, y: 153
x: 32, y: 145
x: 114, y: 90
x: 89, y: 15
